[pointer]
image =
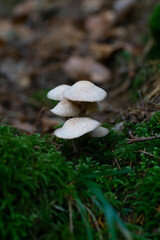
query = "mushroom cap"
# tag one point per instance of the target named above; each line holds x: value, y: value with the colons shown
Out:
x: 58, y: 92
x: 99, y: 132
x: 76, y: 127
x: 85, y: 91
x: 66, y: 108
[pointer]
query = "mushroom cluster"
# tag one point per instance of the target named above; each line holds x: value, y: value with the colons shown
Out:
x: 77, y: 101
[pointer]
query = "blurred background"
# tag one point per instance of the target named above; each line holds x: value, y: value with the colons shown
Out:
x: 44, y: 43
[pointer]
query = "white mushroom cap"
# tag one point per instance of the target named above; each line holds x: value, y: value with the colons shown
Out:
x: 76, y: 127
x: 85, y: 91
x: 58, y: 92
x: 66, y: 108
x: 99, y: 132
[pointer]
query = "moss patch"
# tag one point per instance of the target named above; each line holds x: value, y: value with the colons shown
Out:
x: 43, y: 189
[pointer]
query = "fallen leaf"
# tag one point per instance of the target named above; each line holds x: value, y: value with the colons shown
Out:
x: 119, y: 127
x: 10, y: 31
x: 24, y: 8
x: 27, y: 127
x: 98, y: 24
x: 49, y: 123
x: 103, y: 51
x: 86, y: 68
x: 90, y: 6
x: 16, y: 71
x: 123, y: 6
x: 58, y: 36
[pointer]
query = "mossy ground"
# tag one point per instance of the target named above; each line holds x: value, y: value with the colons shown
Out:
x: 47, y: 192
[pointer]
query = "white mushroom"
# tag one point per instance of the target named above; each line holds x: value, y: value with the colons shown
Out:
x: 99, y: 132
x: 76, y: 127
x: 66, y: 108
x: 58, y: 92
x: 76, y: 101
x: 85, y: 91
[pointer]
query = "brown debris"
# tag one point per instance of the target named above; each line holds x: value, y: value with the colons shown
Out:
x: 86, y: 68
x: 104, y: 51
x: 98, y: 25
x: 47, y: 43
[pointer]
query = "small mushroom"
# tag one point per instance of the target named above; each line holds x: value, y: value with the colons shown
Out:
x: 77, y: 101
x: 76, y: 127
x: 58, y: 92
x: 99, y: 132
x: 85, y: 91
x: 66, y: 108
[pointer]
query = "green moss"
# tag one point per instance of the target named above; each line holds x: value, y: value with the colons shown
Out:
x: 38, y: 182
x: 154, y: 53
x: 154, y: 24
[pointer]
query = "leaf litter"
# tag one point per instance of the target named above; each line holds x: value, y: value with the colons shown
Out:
x: 47, y: 43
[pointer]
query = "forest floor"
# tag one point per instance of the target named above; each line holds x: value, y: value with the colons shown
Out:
x: 47, y: 43
x: 48, y: 192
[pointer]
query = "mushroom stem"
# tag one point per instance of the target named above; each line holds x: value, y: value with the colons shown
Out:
x: 83, y: 108
x: 75, y: 143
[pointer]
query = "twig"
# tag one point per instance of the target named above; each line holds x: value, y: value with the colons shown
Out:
x: 131, y: 135
x: 147, y: 153
x: 116, y: 163
x: 75, y: 145
x: 95, y: 222
x: 58, y: 146
x: 143, y: 139
x: 70, y: 215
x: 146, y: 49
x: 93, y: 217
x: 38, y: 119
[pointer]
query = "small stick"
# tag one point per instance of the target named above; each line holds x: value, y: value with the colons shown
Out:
x: 147, y: 153
x: 143, y: 139
x: 75, y: 143
x: 38, y: 119
x: 116, y: 162
x: 70, y: 215
x: 95, y: 222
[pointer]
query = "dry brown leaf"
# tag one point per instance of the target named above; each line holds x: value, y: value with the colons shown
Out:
x: 24, y: 8
x: 49, y: 123
x: 5, y: 28
x: 58, y: 36
x: 118, y: 32
x: 119, y: 127
x: 67, y: 35
x: 9, y: 31
x: 103, y: 51
x: 97, y: 25
x: 86, y: 68
x: 90, y: 6
x: 27, y: 127
x: 123, y: 6
x: 16, y: 71
x: 151, y: 90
